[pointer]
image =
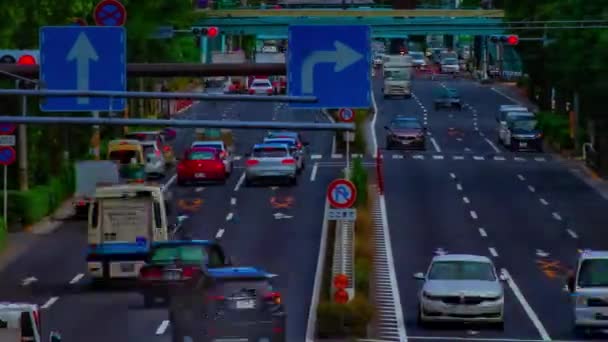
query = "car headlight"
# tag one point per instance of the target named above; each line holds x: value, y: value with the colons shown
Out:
x: 429, y: 296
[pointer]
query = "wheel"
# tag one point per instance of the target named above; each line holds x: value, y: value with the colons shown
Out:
x: 181, y: 182
x: 582, y: 332
x: 421, y: 323
x: 293, y: 181
x: 436, y: 108
x: 248, y: 182
x: 389, y: 146
x: 385, y: 96
x: 499, y: 325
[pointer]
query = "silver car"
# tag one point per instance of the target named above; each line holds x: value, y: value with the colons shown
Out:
x: 268, y: 161
x: 296, y: 152
x: 461, y: 288
x: 155, y: 160
x: 261, y: 87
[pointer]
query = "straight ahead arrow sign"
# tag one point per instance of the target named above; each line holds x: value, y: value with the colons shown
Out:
x: 83, y: 52
x: 342, y: 57
x: 29, y: 280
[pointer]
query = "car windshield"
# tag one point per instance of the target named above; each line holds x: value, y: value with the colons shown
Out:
x: 405, y: 124
x: 287, y: 142
x: 149, y: 149
x: 525, y: 125
x: 201, y: 155
x: 123, y: 156
x: 209, y: 145
x: 396, y: 75
x: 214, y: 84
x: 269, y: 152
x: 593, y: 273
x: 461, y: 270
x: 450, y: 61
x: 260, y: 84
x: 417, y: 55
x: 186, y: 254
x: 141, y: 136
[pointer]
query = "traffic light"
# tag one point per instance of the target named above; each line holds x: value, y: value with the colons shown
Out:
x: 510, y: 39
x: 21, y: 57
x: 209, y: 32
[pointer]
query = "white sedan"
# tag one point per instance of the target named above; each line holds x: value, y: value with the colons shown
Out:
x: 261, y: 87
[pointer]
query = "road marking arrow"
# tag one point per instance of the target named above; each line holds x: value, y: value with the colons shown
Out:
x: 83, y: 52
x: 342, y: 57
x: 542, y: 253
x: 279, y: 216
x: 199, y: 189
x: 29, y: 280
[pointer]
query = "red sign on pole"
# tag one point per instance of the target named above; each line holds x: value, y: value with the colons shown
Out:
x: 8, y: 155
x: 341, y: 296
x: 341, y: 194
x: 7, y: 128
x: 110, y: 13
x: 341, y: 281
x: 347, y: 115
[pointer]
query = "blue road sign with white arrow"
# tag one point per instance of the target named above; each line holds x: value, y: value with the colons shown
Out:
x: 83, y: 58
x: 331, y: 63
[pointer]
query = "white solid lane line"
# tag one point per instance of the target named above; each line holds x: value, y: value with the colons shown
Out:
x: 452, y: 175
x: 493, y: 251
x: 527, y: 308
x: 220, y: 233
x: 169, y: 182
x: 466, y: 200
x: 572, y: 233
x: 229, y: 216
x: 49, y: 302
x: 473, y: 215
x: 435, y: 145
x: 162, y: 327
x: 492, y: 145
x: 233, y: 201
x: 76, y: 278
x: 459, y: 187
x: 531, y: 188
x: 557, y: 216
x: 522, y: 178
x: 544, y: 201
x: 482, y: 232
x: 240, y: 182
x: 313, y: 174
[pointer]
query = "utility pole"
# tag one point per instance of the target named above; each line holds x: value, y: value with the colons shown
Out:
x: 22, y: 146
x: 575, y: 122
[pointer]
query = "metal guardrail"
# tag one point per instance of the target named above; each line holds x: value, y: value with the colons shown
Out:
x: 344, y: 255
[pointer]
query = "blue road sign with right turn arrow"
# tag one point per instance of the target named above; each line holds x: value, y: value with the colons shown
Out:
x: 83, y: 58
x: 331, y: 63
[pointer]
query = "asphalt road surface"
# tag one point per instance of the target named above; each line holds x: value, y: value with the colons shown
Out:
x: 276, y: 228
x: 468, y: 194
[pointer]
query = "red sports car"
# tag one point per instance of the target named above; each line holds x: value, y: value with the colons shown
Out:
x: 201, y: 164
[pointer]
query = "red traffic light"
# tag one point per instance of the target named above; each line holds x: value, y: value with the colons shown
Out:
x: 212, y: 32
x: 512, y: 40
x: 26, y: 60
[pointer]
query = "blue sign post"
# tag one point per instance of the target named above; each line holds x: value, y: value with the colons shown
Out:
x: 331, y: 63
x: 83, y: 58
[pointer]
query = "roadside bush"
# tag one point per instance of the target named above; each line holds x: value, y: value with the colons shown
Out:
x: 359, y: 178
x: 31, y: 206
x: 340, y: 320
x: 556, y: 128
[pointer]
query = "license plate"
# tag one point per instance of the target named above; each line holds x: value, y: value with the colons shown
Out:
x: 245, y: 304
x: 199, y: 175
x: 171, y: 275
x: 127, y: 268
x: 523, y: 144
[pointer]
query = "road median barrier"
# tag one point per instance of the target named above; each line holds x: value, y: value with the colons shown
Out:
x: 349, y: 251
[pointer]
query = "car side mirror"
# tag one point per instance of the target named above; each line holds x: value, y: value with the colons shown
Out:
x: 570, y: 284
x: 54, y: 337
x: 419, y: 276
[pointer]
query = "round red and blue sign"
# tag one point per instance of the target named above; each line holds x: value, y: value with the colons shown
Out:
x: 7, y: 128
x: 347, y: 115
x: 341, y: 194
x: 8, y: 155
x: 110, y: 13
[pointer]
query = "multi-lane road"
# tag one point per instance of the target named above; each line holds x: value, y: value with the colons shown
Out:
x: 465, y: 194
x: 244, y: 218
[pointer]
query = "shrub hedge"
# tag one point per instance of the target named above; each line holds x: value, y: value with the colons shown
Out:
x: 352, y: 319
x: 556, y: 129
x: 39, y: 201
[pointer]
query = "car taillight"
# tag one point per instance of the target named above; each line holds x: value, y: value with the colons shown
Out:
x: 270, y: 91
x: 277, y: 330
x: 275, y: 297
x: 157, y: 153
x: 289, y: 161
x: 216, y: 298
x: 252, y: 162
x: 92, y: 246
x: 166, y: 148
x: 181, y: 166
x: 187, y: 272
x: 219, y: 165
x: 299, y: 145
x: 151, y: 273
x: 251, y: 91
x: 222, y: 154
x: 81, y: 203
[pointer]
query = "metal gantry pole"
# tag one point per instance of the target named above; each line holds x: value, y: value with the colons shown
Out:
x: 22, y: 148
x: 5, y: 209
